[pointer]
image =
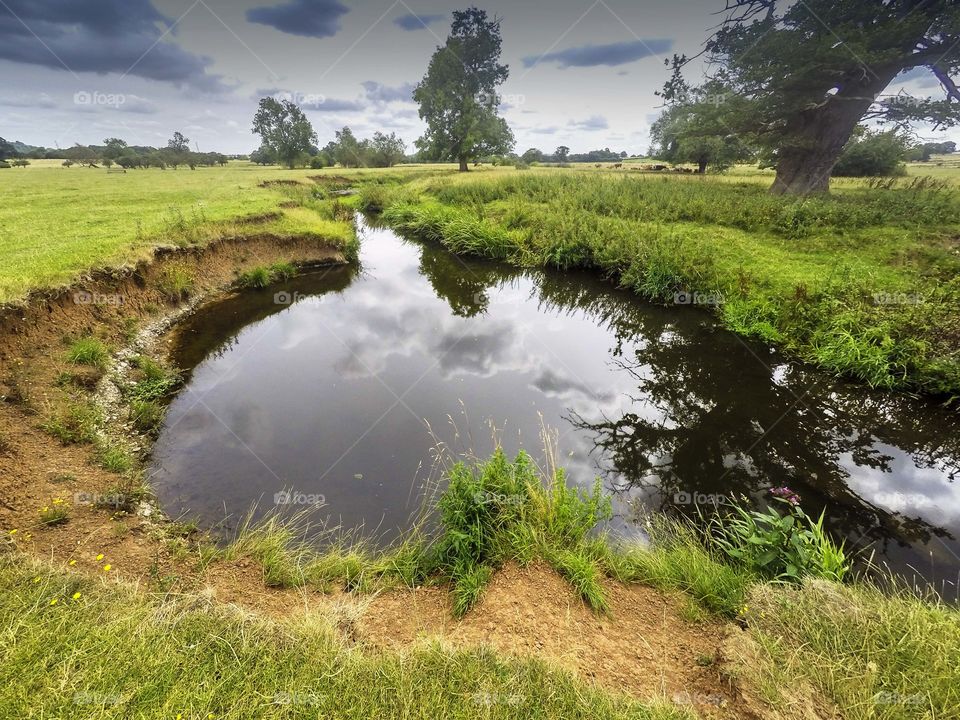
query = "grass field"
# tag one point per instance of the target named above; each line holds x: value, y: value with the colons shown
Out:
x: 56, y: 223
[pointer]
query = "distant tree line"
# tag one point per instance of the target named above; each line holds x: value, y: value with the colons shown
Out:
x: 115, y: 151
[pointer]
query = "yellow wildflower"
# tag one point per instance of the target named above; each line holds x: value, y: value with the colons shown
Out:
x: 72, y: 563
x: 54, y: 601
x: 76, y: 596
x: 99, y: 557
x: 106, y: 568
x: 36, y: 579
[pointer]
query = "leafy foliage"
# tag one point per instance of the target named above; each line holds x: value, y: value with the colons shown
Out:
x: 458, y: 98
x: 284, y: 128
x: 783, y: 546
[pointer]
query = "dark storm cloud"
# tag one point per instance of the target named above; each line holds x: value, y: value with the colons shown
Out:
x: 610, y: 55
x: 385, y: 93
x: 310, y: 18
x: 110, y: 36
x: 410, y: 22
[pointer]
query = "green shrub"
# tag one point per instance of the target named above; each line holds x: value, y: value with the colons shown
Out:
x: 788, y: 546
x: 156, y: 382
x: 89, y: 351
x: 75, y: 423
x: 147, y: 416
x: 175, y: 282
x: 502, y: 511
x: 263, y: 276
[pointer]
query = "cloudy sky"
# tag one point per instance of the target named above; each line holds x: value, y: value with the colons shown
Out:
x: 582, y: 72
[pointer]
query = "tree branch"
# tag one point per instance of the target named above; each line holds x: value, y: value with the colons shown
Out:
x: 948, y: 84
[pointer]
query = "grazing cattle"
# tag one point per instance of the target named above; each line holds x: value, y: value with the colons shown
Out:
x: 598, y: 165
x: 618, y: 166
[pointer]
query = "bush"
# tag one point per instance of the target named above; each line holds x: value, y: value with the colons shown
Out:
x: 501, y: 511
x: 871, y: 154
x: 783, y: 547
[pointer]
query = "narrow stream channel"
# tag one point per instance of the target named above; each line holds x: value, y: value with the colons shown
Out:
x: 328, y: 385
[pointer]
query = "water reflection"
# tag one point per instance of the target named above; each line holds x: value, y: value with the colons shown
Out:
x: 334, y: 394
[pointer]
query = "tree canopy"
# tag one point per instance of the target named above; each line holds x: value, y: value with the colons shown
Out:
x: 697, y: 130
x: 458, y: 96
x: 283, y: 127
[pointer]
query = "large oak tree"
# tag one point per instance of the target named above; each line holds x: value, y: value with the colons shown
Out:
x: 812, y: 70
x: 458, y: 96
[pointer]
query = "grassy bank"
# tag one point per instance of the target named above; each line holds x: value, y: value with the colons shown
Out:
x: 865, y: 283
x: 58, y: 223
x: 75, y: 647
x: 811, y: 641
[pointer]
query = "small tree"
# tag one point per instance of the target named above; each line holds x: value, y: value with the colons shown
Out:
x: 872, y: 154
x: 114, y: 148
x: 695, y: 128
x: 386, y: 150
x: 283, y: 127
x: 562, y: 153
x: 82, y: 155
x: 178, y: 143
x: 349, y: 151
x: 532, y: 155
x: 263, y: 156
x: 458, y: 96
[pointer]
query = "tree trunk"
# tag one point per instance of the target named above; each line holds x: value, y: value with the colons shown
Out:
x: 702, y: 167
x: 463, y: 165
x: 815, y: 137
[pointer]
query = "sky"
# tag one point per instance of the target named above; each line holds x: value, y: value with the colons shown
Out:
x: 583, y: 73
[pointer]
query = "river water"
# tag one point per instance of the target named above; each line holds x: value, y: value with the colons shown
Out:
x: 337, y: 386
